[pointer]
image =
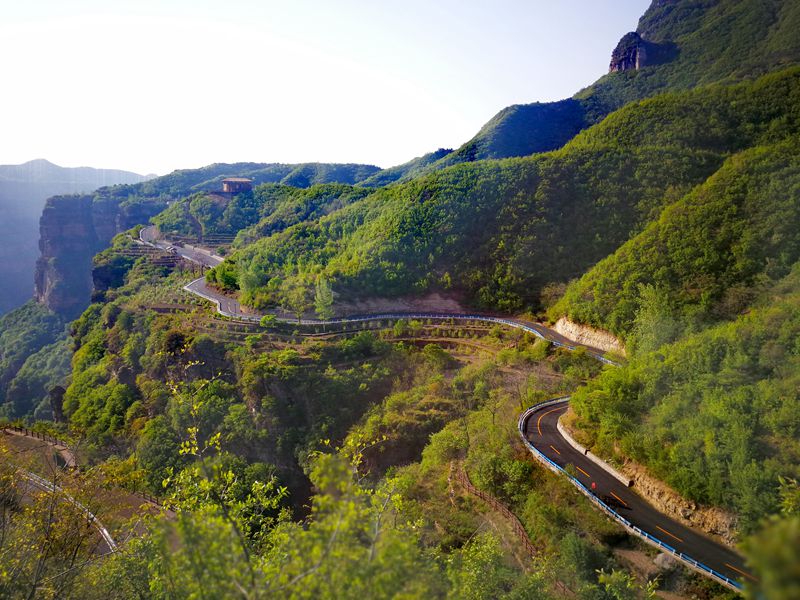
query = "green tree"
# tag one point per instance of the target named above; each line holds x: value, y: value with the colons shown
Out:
x: 323, y: 299
x: 774, y: 555
x: 295, y: 297
x: 158, y: 451
x: 654, y: 324
x: 267, y: 321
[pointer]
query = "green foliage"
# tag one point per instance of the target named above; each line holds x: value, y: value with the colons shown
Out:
x: 267, y: 209
x: 580, y: 560
x: 689, y: 44
x: 296, y: 297
x: 405, y: 171
x: 41, y: 372
x: 404, y: 239
x: 774, y: 555
x: 157, y: 452
x: 715, y: 413
x: 555, y: 214
x: 24, y: 332
x: 710, y: 253
x: 44, y: 541
x: 186, y: 181
x: 479, y: 571
x: 654, y: 324
x: 323, y: 299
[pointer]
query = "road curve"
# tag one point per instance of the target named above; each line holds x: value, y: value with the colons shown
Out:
x: 49, y: 486
x: 538, y: 427
x: 230, y: 307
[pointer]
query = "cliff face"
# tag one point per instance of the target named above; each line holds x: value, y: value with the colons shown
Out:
x: 596, y: 338
x: 630, y: 54
x: 72, y: 230
x: 24, y: 190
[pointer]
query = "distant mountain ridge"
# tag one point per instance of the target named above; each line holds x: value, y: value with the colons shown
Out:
x: 41, y: 170
x: 73, y: 228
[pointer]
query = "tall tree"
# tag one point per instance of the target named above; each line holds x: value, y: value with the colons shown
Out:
x: 295, y: 297
x: 323, y: 299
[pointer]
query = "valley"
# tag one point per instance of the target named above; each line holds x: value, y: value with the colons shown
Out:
x: 559, y: 360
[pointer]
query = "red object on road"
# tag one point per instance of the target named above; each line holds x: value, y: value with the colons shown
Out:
x: 594, y: 486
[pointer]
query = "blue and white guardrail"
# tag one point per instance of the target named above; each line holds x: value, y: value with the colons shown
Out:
x: 630, y: 527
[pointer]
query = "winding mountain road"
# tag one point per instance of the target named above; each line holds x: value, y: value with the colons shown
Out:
x: 538, y: 427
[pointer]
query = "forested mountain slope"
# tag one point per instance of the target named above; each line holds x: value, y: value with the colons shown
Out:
x: 34, y: 355
x: 717, y: 413
x: 31, y: 359
x: 679, y: 211
x: 710, y: 253
x: 678, y: 45
x: 497, y: 233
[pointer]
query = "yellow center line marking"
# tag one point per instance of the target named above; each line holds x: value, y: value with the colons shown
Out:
x: 582, y: 471
x: 625, y: 504
x: 668, y: 533
x: 741, y: 572
x: 542, y: 416
x: 555, y: 449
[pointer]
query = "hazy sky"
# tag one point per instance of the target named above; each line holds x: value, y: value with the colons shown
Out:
x: 156, y: 85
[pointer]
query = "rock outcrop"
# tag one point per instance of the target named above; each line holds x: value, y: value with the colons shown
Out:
x: 596, y: 338
x: 711, y: 520
x: 630, y: 54
x: 72, y: 229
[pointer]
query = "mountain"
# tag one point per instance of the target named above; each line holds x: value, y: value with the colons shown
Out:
x: 23, y: 191
x: 405, y: 171
x: 496, y: 233
x: 661, y: 204
x: 676, y: 218
x: 711, y: 250
x: 676, y: 46
x: 75, y: 228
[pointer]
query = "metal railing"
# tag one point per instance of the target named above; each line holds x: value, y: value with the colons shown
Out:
x: 519, y: 530
x: 37, y: 435
x: 54, y: 441
x: 395, y: 316
x: 49, y: 486
x: 630, y: 527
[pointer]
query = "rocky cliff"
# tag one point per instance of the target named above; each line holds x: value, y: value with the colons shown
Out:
x: 630, y: 54
x: 710, y: 519
x: 24, y: 189
x: 596, y: 338
x: 72, y: 229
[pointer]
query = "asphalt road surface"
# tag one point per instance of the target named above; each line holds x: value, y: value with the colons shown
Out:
x: 541, y: 431
x: 148, y: 235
